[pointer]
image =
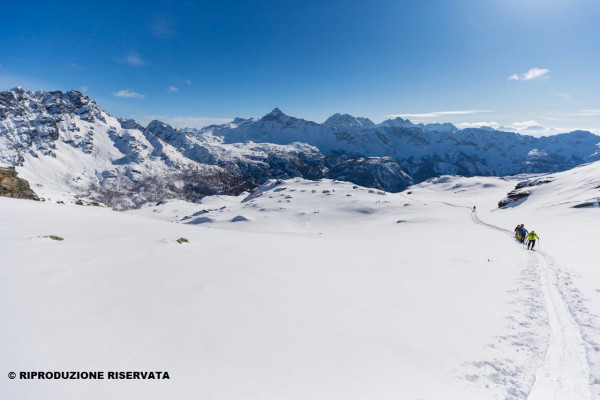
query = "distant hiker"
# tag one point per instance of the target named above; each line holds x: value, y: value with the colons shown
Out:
x: 532, y: 238
x: 473, y: 208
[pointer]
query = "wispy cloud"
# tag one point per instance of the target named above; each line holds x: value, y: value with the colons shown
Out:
x: 565, y: 96
x: 188, y: 82
x: 435, y: 114
x: 133, y: 59
x: 491, y: 124
x: 527, y: 125
x: 558, y: 119
x: 586, y: 113
x: 83, y: 89
x: 533, y: 73
x: 126, y: 93
x: 172, y: 89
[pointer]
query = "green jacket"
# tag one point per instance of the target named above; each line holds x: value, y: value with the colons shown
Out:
x: 532, y: 236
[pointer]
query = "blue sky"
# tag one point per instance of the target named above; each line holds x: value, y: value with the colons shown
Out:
x: 514, y: 63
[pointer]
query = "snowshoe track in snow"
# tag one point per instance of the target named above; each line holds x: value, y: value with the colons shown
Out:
x: 565, y: 372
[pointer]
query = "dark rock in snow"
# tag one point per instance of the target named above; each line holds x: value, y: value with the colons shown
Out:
x: 13, y: 186
x: 589, y: 204
x: 54, y: 237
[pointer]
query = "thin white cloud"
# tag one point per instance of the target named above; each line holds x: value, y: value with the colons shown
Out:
x: 173, y: 89
x: 435, y: 114
x: 83, y: 89
x: 491, y: 124
x: 558, y: 119
x: 133, y: 59
x: 126, y: 93
x: 187, y: 81
x: 565, y: 96
x: 586, y: 113
x: 525, y: 125
x: 533, y: 73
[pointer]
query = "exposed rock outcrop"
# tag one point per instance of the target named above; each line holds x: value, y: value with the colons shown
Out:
x: 13, y: 186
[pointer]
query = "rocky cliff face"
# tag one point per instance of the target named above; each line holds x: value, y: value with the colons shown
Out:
x: 13, y: 186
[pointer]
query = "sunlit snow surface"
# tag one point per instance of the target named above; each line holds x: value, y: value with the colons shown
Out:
x: 327, y: 291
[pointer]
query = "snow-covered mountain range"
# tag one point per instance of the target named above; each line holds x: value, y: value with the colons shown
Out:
x: 64, y: 144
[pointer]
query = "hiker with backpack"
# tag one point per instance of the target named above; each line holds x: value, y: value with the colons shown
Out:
x: 523, y: 232
x: 532, y: 237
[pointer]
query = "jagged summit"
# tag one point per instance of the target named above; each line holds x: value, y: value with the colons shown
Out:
x: 397, y: 122
x: 443, y: 127
x: 240, y: 120
x: 348, y: 121
x: 275, y: 114
x: 127, y: 123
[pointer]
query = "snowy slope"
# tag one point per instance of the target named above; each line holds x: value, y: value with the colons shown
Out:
x: 330, y: 305
x: 328, y: 290
x: 66, y: 146
x: 563, y: 211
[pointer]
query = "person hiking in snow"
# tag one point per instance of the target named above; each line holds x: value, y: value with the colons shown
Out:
x: 532, y: 238
x: 522, y: 233
x: 518, y: 227
x: 473, y: 208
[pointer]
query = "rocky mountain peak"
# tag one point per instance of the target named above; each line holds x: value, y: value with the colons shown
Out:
x: 276, y: 115
x: 17, y: 90
x: 397, y: 122
x: 347, y: 121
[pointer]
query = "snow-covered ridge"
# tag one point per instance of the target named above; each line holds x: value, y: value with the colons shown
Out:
x: 423, y: 151
x: 66, y: 145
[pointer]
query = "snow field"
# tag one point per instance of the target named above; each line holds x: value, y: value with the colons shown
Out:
x: 346, y: 304
x: 329, y: 290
